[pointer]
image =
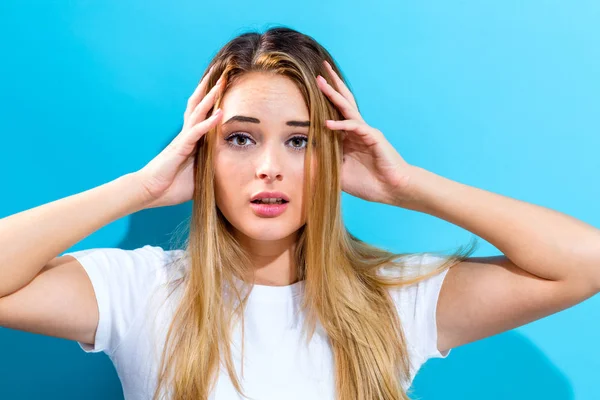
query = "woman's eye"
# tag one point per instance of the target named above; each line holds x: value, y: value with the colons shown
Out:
x: 298, y: 140
x: 237, y: 137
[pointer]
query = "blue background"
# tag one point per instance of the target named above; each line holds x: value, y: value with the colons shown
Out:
x: 502, y: 96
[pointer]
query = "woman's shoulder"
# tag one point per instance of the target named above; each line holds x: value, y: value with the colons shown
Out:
x: 168, y: 264
x: 153, y: 262
x: 124, y: 283
x: 417, y: 303
x: 412, y: 265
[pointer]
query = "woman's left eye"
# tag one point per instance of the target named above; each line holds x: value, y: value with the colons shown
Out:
x: 299, y: 138
x: 237, y: 137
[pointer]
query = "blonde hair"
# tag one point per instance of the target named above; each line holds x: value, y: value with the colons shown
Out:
x: 344, y: 290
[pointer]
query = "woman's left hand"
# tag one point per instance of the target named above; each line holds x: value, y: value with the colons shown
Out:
x: 372, y: 168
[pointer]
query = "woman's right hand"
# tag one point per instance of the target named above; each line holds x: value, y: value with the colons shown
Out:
x: 169, y: 178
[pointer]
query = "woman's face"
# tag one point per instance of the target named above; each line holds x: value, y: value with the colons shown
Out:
x: 260, y: 147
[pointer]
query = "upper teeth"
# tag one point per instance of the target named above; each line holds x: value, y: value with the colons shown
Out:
x: 270, y: 200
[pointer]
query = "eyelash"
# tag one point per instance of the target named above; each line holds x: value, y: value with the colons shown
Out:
x: 241, y: 147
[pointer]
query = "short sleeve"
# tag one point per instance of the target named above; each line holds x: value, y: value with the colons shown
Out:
x: 123, y: 281
x: 417, y: 305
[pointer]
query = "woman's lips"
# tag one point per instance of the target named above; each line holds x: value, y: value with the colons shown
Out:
x: 268, y: 210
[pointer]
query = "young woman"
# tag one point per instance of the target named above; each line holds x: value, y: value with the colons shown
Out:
x: 272, y: 297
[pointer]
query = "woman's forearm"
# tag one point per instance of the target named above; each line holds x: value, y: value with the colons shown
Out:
x: 31, y: 238
x: 541, y: 241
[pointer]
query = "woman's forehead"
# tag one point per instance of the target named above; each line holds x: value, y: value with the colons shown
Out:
x: 265, y: 94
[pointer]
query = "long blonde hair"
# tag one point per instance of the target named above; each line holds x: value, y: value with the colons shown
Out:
x: 344, y: 290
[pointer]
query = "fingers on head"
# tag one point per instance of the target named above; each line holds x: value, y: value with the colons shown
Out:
x: 205, y: 104
x: 201, y: 93
x: 339, y: 84
x: 198, y: 130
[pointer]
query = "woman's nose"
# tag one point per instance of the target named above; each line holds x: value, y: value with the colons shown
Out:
x: 268, y: 166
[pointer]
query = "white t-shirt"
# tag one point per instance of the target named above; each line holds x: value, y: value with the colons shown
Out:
x: 278, y: 364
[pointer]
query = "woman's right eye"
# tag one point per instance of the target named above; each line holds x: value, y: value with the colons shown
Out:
x: 232, y: 138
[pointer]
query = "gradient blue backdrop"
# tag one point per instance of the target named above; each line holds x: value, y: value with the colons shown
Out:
x: 502, y: 96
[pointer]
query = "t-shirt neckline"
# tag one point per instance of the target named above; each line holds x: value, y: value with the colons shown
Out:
x: 275, y: 293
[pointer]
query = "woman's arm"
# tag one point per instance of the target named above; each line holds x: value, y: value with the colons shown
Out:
x: 31, y: 239
x: 541, y: 241
x: 551, y: 261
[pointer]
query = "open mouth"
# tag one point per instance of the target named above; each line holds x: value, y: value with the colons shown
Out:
x: 279, y: 201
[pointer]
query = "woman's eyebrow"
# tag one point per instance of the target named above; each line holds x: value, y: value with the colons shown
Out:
x: 243, y: 118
